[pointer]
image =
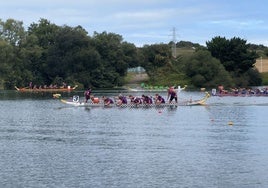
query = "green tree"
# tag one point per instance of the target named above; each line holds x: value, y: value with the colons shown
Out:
x: 154, y: 57
x: 31, y: 55
x: 41, y: 37
x: 235, y: 56
x: 45, y: 32
x: 72, y: 57
x: 204, y: 70
x: 12, y: 31
x: 131, y: 56
x: 266, y: 51
x: 115, y: 55
x: 6, y: 59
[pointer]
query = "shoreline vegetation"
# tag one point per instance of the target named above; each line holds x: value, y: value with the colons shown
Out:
x: 134, y: 80
x: 46, y: 53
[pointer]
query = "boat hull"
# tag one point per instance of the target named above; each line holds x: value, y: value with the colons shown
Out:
x: 131, y: 105
x: 83, y: 104
x: 238, y: 95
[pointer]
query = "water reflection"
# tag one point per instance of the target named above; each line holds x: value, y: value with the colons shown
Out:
x: 43, y: 143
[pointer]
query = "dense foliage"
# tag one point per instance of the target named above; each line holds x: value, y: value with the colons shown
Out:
x: 46, y: 54
x: 205, y: 70
x: 50, y: 54
x: 238, y: 60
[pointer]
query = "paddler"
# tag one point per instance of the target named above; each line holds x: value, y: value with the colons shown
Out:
x: 107, y: 101
x: 121, y: 100
x: 94, y: 100
x: 172, y: 94
x: 135, y: 100
x: 87, y: 94
x: 146, y: 99
x: 159, y: 99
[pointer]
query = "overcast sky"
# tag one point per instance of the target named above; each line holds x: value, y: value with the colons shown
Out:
x: 150, y: 21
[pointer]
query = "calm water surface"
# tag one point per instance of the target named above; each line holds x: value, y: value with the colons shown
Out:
x: 44, y: 143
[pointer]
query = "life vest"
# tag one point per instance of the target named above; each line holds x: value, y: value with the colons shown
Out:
x: 95, y: 100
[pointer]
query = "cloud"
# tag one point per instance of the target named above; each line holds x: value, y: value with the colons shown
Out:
x: 150, y: 21
x: 238, y: 23
x: 145, y: 15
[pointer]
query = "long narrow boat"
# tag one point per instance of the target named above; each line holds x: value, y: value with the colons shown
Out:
x: 256, y: 93
x: 240, y: 95
x: 26, y: 89
x: 158, y: 89
x: 131, y: 105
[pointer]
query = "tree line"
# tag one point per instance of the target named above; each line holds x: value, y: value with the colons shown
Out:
x: 46, y: 54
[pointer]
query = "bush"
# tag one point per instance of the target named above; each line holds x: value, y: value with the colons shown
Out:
x: 205, y: 71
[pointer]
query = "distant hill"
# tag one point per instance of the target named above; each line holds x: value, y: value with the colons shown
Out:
x: 186, y: 47
x: 187, y: 44
x: 184, y: 50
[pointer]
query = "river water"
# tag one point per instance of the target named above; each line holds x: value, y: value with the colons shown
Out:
x: 45, y: 143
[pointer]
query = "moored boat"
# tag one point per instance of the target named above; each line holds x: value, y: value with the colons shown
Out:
x: 247, y: 93
x: 156, y: 89
x: 240, y: 92
x: 60, y: 89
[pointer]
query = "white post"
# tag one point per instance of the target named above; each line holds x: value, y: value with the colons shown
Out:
x: 179, y: 89
x: 174, y: 50
x: 261, y: 63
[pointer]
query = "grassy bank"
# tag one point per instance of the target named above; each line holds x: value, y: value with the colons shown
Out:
x: 264, y: 78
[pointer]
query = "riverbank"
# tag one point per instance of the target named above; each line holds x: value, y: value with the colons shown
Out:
x: 134, y: 80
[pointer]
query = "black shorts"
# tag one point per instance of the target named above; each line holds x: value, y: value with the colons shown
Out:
x: 173, y: 97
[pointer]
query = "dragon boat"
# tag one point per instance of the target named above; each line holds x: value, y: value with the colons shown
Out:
x: 241, y: 93
x: 75, y: 102
x: 60, y: 89
x: 233, y: 94
x: 156, y: 89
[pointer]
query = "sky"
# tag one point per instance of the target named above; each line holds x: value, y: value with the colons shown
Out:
x: 143, y: 22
